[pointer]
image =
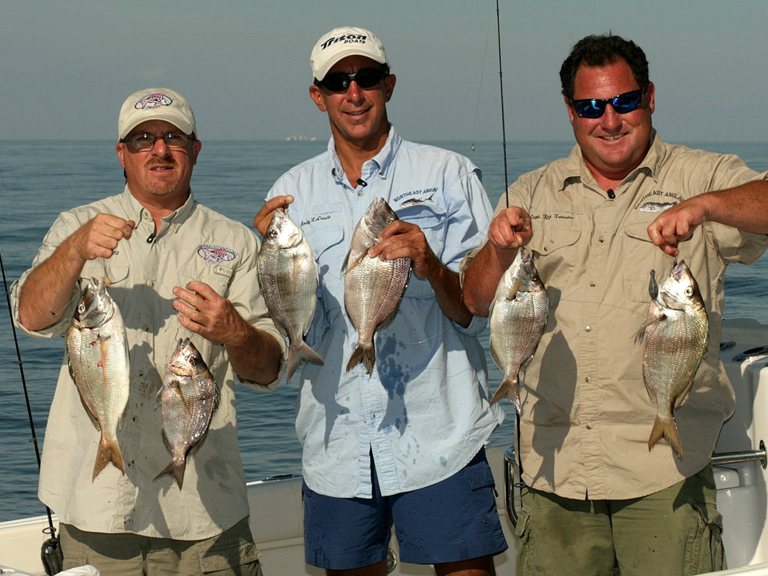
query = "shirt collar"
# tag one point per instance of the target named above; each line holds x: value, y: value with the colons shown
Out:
x: 136, y: 209
x: 379, y: 163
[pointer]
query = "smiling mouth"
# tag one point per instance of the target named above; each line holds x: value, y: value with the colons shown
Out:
x: 612, y: 138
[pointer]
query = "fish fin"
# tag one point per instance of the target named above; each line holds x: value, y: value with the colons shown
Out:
x: 512, y: 292
x: 109, y: 451
x: 684, y: 394
x: 651, y: 320
x: 176, y: 385
x: 666, y: 429
x: 175, y: 469
x: 216, y: 403
x: 365, y: 355
x: 301, y: 354
x: 511, y: 389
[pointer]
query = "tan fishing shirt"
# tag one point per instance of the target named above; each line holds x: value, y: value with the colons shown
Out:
x: 586, y: 413
x: 194, y: 243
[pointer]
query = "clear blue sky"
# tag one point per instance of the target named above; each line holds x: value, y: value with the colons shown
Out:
x: 244, y: 65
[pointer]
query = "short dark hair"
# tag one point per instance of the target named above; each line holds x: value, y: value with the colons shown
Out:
x: 599, y: 51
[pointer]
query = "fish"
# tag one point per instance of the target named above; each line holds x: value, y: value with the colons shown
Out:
x: 188, y: 399
x: 97, y: 350
x: 518, y: 316
x: 674, y: 335
x: 373, y: 287
x: 288, y: 279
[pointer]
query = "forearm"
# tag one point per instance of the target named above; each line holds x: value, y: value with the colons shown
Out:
x: 447, y: 288
x: 482, y: 277
x: 744, y: 207
x: 255, y: 356
x: 48, y: 288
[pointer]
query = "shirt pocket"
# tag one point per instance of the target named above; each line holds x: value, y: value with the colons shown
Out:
x: 640, y: 256
x: 217, y: 276
x: 557, y: 246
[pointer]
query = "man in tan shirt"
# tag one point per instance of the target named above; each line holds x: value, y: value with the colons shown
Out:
x: 177, y: 269
x: 623, y: 203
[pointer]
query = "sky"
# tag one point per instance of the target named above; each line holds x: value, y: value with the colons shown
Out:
x: 66, y: 67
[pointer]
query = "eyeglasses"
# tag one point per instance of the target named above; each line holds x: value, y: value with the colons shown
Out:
x: 140, y: 142
x: 366, y: 78
x: 595, y: 107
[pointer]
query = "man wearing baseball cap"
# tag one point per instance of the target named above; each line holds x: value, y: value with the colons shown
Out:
x: 403, y: 444
x: 176, y: 269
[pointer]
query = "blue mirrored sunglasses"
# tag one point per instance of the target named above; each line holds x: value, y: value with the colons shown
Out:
x: 595, y: 107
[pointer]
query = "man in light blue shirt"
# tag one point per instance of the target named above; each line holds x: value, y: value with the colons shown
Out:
x: 405, y: 443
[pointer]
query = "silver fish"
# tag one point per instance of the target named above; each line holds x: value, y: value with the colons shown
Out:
x: 518, y: 315
x: 188, y: 398
x: 97, y: 347
x: 288, y: 281
x: 372, y: 287
x: 675, y: 335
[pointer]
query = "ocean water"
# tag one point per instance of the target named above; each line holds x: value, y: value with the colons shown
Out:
x: 39, y: 179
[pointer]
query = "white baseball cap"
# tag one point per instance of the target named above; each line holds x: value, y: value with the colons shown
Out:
x: 155, y: 104
x: 342, y: 42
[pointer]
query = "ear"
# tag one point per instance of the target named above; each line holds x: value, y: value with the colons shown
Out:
x: 317, y: 97
x: 196, y: 147
x: 120, y: 150
x: 571, y: 115
x: 650, y: 93
x: 389, y: 86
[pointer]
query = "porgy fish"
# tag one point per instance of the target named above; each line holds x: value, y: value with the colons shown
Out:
x: 97, y: 347
x: 372, y: 287
x: 188, y: 398
x: 288, y: 280
x: 675, y: 335
x: 518, y: 315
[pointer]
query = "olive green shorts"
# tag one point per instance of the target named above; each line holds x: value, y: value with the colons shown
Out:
x: 673, y: 532
x: 232, y: 552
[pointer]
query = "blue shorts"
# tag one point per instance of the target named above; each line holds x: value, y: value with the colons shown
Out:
x: 450, y: 521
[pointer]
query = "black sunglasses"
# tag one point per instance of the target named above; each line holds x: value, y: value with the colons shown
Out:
x: 595, y: 107
x: 366, y: 78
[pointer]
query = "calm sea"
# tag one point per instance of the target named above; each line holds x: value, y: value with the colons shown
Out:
x: 40, y: 179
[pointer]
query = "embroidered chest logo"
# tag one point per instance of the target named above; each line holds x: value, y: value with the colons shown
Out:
x: 658, y: 201
x: 215, y: 254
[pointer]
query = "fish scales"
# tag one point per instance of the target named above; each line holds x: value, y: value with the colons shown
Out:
x: 97, y: 348
x: 518, y: 317
x: 288, y: 280
x: 373, y: 287
x: 675, y: 335
x: 188, y: 399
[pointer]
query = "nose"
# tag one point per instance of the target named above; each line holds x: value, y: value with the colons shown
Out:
x: 161, y: 148
x: 611, y: 120
x: 354, y: 93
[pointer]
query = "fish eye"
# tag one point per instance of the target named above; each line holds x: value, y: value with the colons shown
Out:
x: 81, y: 308
x: 689, y: 291
x: 193, y: 361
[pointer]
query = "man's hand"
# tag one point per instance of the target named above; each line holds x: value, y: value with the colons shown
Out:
x: 203, y: 311
x: 99, y: 237
x: 264, y: 216
x: 677, y: 224
x: 510, y: 229
x: 402, y: 239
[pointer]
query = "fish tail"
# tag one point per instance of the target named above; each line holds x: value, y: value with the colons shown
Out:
x: 363, y: 354
x: 301, y: 354
x: 109, y: 451
x: 176, y: 469
x: 667, y: 429
x: 511, y: 389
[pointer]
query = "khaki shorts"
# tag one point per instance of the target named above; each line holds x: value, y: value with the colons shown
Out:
x: 673, y: 532
x: 232, y: 552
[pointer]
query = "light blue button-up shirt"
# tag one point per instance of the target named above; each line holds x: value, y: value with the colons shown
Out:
x: 424, y: 411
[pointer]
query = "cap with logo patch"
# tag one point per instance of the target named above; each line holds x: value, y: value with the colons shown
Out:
x: 342, y: 42
x: 156, y: 104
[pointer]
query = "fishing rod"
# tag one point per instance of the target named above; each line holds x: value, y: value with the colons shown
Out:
x: 503, y: 123
x: 50, y: 554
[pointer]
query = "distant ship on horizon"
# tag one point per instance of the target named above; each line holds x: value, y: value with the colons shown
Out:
x: 300, y: 138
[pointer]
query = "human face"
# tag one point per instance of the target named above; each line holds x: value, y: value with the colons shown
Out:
x: 614, y: 144
x: 161, y: 173
x: 358, y: 116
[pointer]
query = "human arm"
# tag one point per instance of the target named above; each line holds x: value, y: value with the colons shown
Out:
x: 744, y: 207
x: 255, y: 354
x: 509, y: 230
x: 48, y: 288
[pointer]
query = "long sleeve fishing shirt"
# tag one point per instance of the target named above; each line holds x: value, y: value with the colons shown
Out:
x: 193, y: 243
x: 424, y: 411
